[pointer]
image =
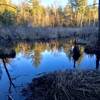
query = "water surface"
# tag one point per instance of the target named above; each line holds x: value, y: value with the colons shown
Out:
x: 38, y: 58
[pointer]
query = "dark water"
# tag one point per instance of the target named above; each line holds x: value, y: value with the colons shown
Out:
x: 35, y: 59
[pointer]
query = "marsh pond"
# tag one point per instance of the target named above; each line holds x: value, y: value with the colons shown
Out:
x: 40, y: 58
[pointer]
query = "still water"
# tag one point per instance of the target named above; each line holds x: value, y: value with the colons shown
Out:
x: 35, y: 59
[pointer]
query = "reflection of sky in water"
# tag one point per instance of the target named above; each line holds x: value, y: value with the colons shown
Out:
x: 23, y: 67
x: 88, y: 62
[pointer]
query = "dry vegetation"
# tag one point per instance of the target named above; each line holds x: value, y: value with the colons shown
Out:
x: 30, y: 20
x: 68, y: 85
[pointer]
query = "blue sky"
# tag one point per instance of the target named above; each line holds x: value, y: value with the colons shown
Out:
x: 49, y: 2
x: 44, y: 2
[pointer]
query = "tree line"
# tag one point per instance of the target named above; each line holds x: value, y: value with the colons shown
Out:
x: 76, y: 13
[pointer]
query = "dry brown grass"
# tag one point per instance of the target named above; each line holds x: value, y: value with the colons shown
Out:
x: 67, y: 85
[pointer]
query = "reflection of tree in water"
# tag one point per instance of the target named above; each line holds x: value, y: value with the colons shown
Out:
x: 38, y: 49
x: 67, y: 50
x: 37, y: 58
x: 60, y: 45
x: 48, y: 47
x: 97, y: 60
x: 81, y: 55
x: 41, y: 47
x: 24, y: 47
x: 0, y: 73
x: 76, y: 54
x: 53, y: 45
x: 56, y: 46
x: 94, y: 51
x: 91, y: 55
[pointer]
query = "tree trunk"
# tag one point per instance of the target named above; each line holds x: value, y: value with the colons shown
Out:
x: 94, y: 21
x: 81, y: 22
x: 89, y: 21
x: 99, y: 23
